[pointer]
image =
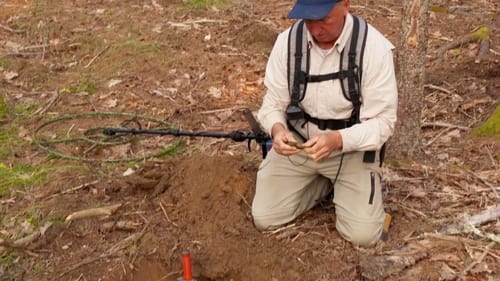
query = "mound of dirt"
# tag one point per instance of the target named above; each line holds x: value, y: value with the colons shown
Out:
x: 205, y: 208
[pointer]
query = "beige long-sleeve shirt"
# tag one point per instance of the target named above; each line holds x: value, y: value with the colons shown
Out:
x: 325, y: 100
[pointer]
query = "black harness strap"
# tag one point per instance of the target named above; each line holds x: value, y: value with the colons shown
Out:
x: 329, y: 76
x: 351, y: 87
x: 297, y: 82
x: 331, y: 124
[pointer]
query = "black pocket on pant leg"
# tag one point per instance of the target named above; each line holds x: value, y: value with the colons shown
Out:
x: 372, y: 188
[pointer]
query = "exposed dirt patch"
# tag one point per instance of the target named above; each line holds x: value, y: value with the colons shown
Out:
x: 195, y: 69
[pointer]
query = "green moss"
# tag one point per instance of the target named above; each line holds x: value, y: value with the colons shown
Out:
x: 26, y: 109
x: 203, y: 4
x: 83, y: 85
x: 458, y: 54
x: 6, y: 259
x: 147, y: 47
x: 438, y: 9
x: 483, y: 33
x: 4, y: 109
x: 491, y: 127
x: 3, y: 63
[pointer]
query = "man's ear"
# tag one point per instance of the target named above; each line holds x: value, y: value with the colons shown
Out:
x: 347, y: 4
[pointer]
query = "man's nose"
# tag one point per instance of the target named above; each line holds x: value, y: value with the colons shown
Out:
x: 314, y: 27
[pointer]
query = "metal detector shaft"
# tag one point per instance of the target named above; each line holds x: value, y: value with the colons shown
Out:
x: 234, y: 135
x: 257, y: 133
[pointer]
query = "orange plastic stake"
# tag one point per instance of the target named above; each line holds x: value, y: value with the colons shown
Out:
x: 186, y: 265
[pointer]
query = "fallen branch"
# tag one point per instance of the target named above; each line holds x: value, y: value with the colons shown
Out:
x: 491, y: 236
x: 102, y: 211
x: 468, y: 224
x: 485, y: 216
x: 445, y: 125
x: 481, y: 33
x: 194, y: 23
x: 374, y: 267
x: 22, y: 243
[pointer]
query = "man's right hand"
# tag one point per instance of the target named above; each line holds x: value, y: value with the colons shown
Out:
x: 284, y: 142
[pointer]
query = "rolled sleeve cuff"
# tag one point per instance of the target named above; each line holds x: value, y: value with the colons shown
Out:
x: 270, y: 119
x: 347, y: 144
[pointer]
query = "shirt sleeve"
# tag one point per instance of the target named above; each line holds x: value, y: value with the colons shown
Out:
x: 277, y: 98
x: 379, y: 96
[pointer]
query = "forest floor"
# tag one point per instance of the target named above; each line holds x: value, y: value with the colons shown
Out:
x: 69, y: 68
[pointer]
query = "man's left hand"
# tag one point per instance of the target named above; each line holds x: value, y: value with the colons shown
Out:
x: 321, y: 146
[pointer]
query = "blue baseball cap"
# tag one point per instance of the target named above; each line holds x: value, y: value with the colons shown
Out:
x: 311, y: 9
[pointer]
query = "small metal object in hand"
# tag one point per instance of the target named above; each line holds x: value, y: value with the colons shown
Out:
x: 296, y: 144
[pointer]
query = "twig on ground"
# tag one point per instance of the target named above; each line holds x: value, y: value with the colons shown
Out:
x: 490, y: 155
x: 434, y: 87
x: 223, y: 109
x: 194, y: 23
x: 493, y: 188
x: 455, y: 239
x: 11, y: 29
x: 120, y: 225
x: 413, y: 210
x: 73, y: 189
x: 95, y: 57
x: 443, y: 124
x: 289, y: 233
x: 391, y: 11
x: 445, y: 130
x: 489, y: 253
x: 8, y: 201
x: 244, y: 200
x: 94, y: 212
x: 166, y: 216
x: 52, y: 101
x: 477, y: 261
x: 167, y: 276
x: 156, y: 5
x: 280, y: 229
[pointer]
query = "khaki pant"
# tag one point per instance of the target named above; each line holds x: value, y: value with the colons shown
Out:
x: 288, y: 186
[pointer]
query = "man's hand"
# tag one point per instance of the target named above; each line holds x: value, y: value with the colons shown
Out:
x: 321, y: 146
x: 284, y: 142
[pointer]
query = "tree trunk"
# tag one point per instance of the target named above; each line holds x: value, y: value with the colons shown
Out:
x: 410, y: 62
